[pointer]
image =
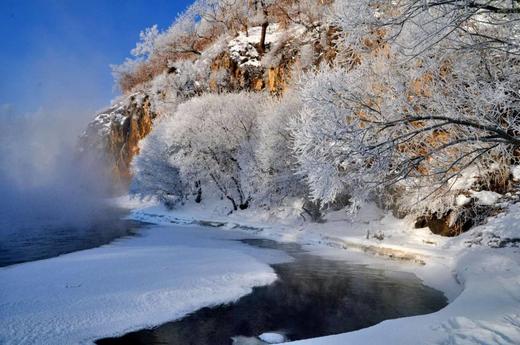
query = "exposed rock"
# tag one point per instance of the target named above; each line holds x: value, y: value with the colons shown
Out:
x: 439, y: 226
x: 455, y: 222
x: 113, y: 137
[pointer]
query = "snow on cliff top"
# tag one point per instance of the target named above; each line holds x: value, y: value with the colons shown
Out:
x: 243, y: 48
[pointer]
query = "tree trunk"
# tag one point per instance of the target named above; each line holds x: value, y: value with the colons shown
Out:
x: 235, y: 208
x: 245, y: 205
x: 261, y: 47
x: 198, y: 198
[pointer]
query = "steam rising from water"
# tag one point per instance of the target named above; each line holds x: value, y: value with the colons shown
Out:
x: 42, y: 181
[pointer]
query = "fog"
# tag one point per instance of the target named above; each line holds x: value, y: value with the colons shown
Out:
x: 42, y: 181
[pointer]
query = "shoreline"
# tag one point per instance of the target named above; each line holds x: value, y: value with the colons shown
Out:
x: 481, y: 283
x: 79, y: 290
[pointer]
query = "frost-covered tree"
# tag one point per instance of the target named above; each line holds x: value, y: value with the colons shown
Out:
x: 154, y: 175
x: 205, y: 23
x: 276, y: 176
x: 396, y: 116
x: 229, y: 15
x: 324, y: 144
x: 146, y: 46
x: 418, y: 26
x: 367, y: 129
x: 308, y: 13
x: 214, y: 140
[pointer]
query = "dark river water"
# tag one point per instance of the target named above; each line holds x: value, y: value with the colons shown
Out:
x: 22, y: 242
x: 313, y: 297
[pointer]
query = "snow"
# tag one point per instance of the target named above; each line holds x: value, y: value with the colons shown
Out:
x: 466, y: 179
x: 515, y: 170
x: 486, y: 197
x: 138, y: 282
x: 130, y: 284
x: 481, y: 282
x: 483, y: 197
x: 462, y: 200
x: 272, y: 338
x: 242, y: 48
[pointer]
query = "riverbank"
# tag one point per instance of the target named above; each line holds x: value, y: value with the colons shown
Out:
x: 156, y: 276
x: 161, y: 275
x: 311, y: 297
x: 478, y: 271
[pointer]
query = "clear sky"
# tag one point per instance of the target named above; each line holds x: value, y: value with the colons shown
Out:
x: 55, y: 54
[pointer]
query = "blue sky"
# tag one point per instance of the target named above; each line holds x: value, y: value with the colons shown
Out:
x: 55, y: 54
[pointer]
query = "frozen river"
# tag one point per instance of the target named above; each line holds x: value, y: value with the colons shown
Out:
x: 197, y: 285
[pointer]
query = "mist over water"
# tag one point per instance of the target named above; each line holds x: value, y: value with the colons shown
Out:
x: 40, y: 176
x: 48, y: 196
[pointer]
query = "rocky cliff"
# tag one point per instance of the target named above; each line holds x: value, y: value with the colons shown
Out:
x: 113, y: 136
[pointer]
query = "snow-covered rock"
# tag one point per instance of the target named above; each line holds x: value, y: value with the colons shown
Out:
x: 113, y: 136
x: 486, y: 197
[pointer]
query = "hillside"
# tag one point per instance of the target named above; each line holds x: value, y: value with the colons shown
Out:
x: 231, y: 64
x: 346, y: 111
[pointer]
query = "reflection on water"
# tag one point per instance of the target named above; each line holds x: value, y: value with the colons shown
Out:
x: 23, y: 242
x: 313, y: 297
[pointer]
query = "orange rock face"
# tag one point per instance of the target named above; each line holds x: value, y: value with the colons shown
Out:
x: 114, y: 135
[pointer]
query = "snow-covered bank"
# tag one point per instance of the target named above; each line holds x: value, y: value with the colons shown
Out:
x: 168, y: 272
x: 482, y: 283
x: 132, y: 283
x: 486, y: 312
